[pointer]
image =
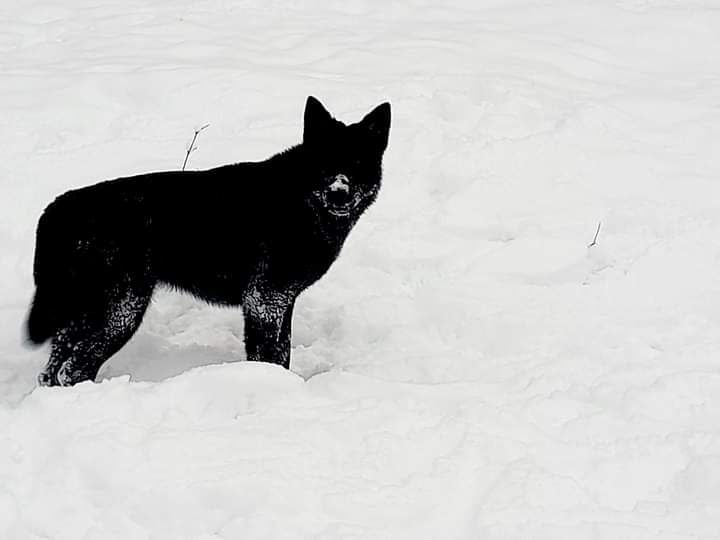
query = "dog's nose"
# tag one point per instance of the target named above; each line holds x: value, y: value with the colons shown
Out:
x: 340, y: 183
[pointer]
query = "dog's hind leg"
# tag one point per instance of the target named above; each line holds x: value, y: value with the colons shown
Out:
x: 82, y: 347
x: 58, y: 355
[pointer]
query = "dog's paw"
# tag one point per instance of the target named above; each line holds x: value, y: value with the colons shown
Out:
x: 46, y: 378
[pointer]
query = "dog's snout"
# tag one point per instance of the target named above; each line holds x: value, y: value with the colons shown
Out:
x: 339, y: 190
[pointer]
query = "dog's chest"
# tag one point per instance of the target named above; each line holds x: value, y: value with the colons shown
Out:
x: 299, y: 262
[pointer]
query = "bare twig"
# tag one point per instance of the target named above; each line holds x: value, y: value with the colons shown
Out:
x: 192, y: 146
x: 596, y: 235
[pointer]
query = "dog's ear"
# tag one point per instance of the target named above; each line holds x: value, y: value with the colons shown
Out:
x: 377, y: 123
x: 317, y: 120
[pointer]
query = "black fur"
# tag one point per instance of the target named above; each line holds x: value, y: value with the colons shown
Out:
x: 250, y: 234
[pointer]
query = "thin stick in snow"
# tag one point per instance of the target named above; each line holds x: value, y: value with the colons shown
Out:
x: 192, y: 145
x: 596, y: 235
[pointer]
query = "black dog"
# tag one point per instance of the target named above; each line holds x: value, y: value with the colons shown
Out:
x: 251, y: 234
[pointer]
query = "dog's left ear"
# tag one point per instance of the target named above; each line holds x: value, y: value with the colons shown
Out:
x: 377, y: 123
x: 317, y: 120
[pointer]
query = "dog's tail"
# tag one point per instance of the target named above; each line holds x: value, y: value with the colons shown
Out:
x: 40, y: 324
x: 42, y: 321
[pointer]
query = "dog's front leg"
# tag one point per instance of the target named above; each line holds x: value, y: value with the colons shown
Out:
x: 268, y: 320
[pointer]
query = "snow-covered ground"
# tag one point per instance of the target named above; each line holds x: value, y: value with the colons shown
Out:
x: 469, y: 368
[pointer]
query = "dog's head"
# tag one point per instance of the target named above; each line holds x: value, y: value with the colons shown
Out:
x: 344, y: 161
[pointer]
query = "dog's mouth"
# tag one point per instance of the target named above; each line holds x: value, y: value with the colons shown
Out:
x: 338, y: 197
x: 340, y: 207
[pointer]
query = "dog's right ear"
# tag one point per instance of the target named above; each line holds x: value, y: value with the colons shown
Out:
x: 317, y: 120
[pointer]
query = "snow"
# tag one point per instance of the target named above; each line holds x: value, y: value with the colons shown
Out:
x: 469, y: 368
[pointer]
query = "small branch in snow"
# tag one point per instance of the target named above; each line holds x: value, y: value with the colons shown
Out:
x: 596, y: 235
x: 192, y: 146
